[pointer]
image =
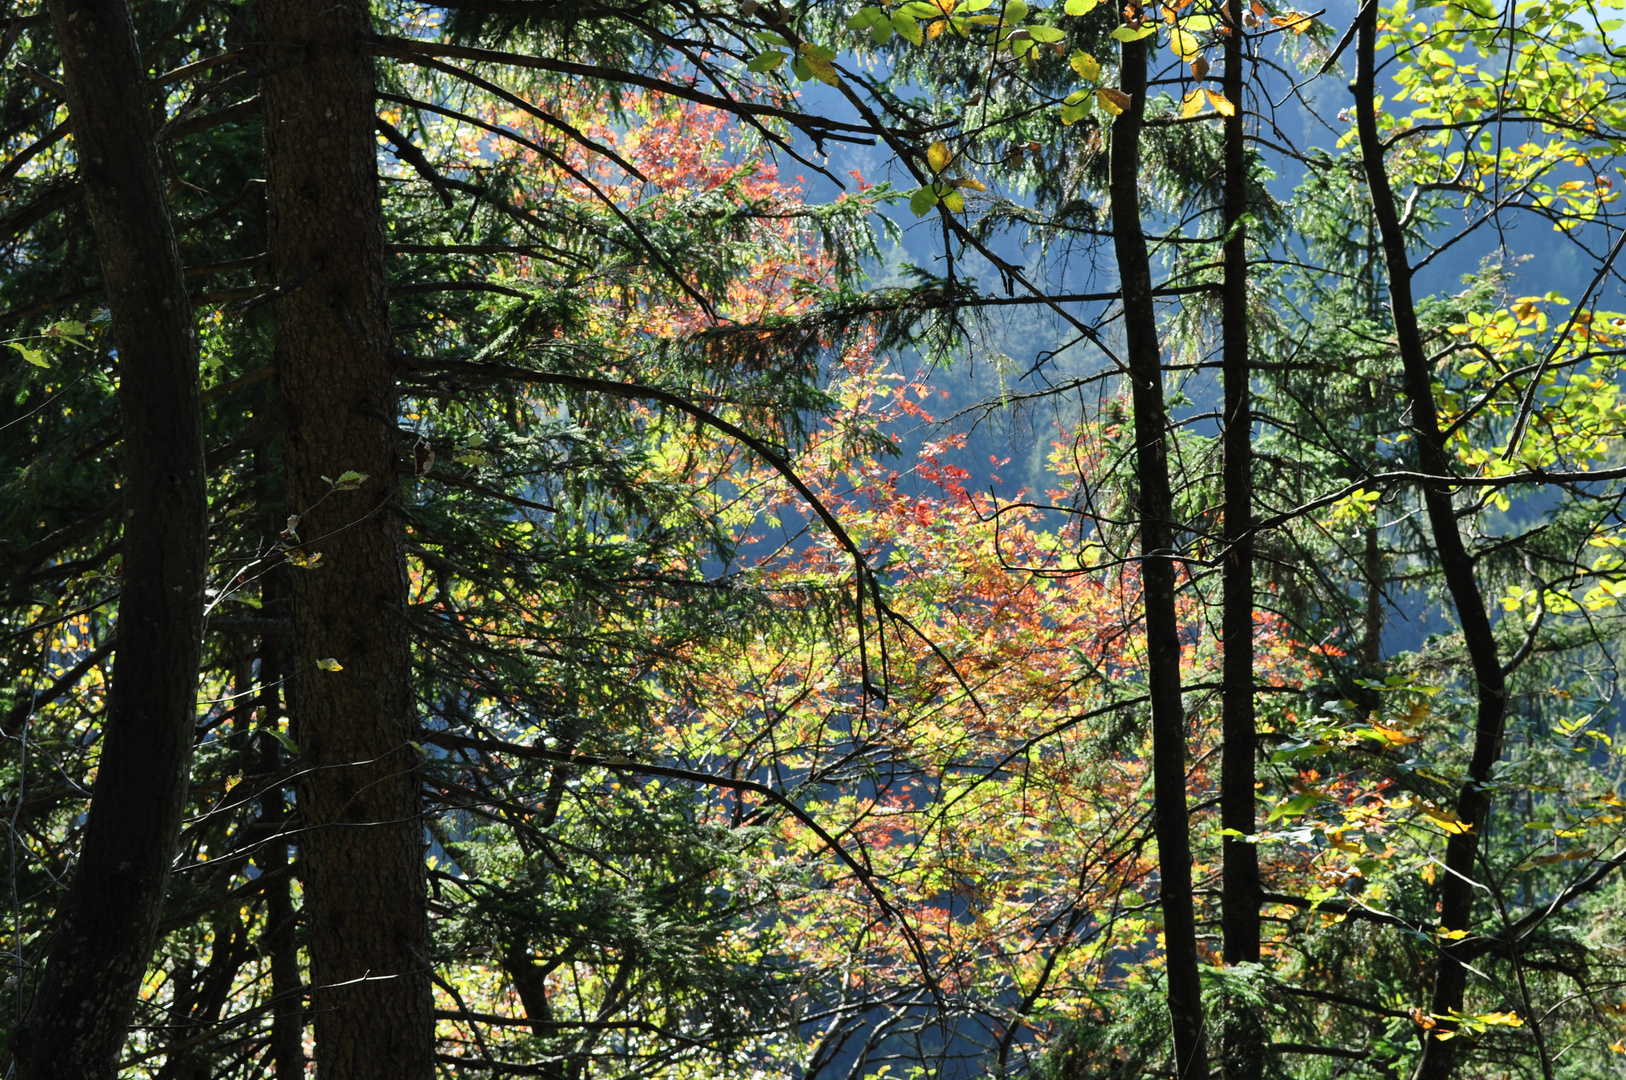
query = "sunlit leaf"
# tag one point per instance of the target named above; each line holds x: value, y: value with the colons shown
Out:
x: 1113, y: 100
x: 33, y: 356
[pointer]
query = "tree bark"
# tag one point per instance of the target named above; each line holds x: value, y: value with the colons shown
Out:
x: 1473, y: 801
x: 362, y: 831
x: 93, y: 969
x: 1171, y: 824
x: 1244, y: 1035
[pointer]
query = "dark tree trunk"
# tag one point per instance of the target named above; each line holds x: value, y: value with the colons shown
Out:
x: 1244, y: 1035
x: 105, y: 933
x: 1456, y: 888
x: 278, y: 942
x: 361, y: 833
x: 1171, y: 823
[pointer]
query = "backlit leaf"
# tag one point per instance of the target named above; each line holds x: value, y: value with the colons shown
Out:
x: 1112, y: 100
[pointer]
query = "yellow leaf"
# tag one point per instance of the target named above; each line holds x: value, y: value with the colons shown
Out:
x: 329, y: 664
x: 1112, y: 100
x: 1087, y: 67
x: 1501, y: 1019
x: 1193, y: 103
x: 936, y: 28
x: 938, y: 156
x: 1448, y: 820
x: 822, y: 69
x: 1221, y: 103
x: 1184, y: 45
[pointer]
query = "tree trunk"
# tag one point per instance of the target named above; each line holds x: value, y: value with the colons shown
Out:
x: 1244, y: 1035
x: 1171, y: 824
x: 361, y: 827
x: 1456, y: 888
x: 105, y: 933
x: 278, y: 942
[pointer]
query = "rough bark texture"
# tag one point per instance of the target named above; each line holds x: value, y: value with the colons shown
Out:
x: 105, y: 933
x: 361, y: 834
x: 1473, y: 802
x: 1171, y: 823
x: 1244, y: 1036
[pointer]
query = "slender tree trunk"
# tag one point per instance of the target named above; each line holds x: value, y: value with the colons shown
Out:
x: 1244, y: 1035
x: 278, y: 941
x: 1456, y: 888
x: 1372, y: 614
x: 105, y: 933
x: 361, y: 826
x: 1171, y: 823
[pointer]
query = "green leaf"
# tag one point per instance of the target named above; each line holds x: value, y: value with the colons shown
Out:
x: 287, y: 743
x: 907, y: 28
x: 799, y: 67
x: 329, y: 664
x: 922, y: 200
x: 866, y: 18
x: 1081, y: 7
x: 881, y: 32
x: 1074, y: 112
x: 917, y: 10
x: 1015, y: 11
x: 954, y: 201
x: 768, y: 61
x: 349, y: 480
x: 1046, y: 34
x: 33, y: 356
x: 1123, y: 33
x: 1298, y: 804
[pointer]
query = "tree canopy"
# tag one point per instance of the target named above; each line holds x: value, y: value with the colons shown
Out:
x: 936, y: 538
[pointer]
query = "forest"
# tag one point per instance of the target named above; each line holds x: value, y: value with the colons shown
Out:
x: 712, y: 540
